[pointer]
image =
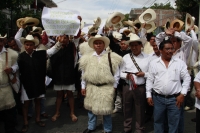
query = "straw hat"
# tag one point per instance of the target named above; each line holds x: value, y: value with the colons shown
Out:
x: 92, y: 29
x: 189, y: 22
x: 129, y: 23
x: 196, y: 29
x: 147, y: 16
x: 97, y: 22
x: 117, y: 35
x: 37, y: 29
x: 135, y: 38
x: 99, y: 37
x: 2, y: 37
x: 28, y: 21
x: 114, y: 19
x: 29, y: 38
x: 150, y: 27
x: 177, y: 24
x: 119, y: 25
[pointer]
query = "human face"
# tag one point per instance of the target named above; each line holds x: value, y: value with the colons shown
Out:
x: 123, y: 45
x: 155, y: 48
x: 135, y: 48
x: 167, y: 51
x: 99, y: 46
x: 66, y: 40
x: 13, y: 45
x: 29, y: 46
x: 152, y: 40
x: 176, y: 43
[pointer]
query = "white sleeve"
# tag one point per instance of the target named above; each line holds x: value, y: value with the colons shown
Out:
x: 149, y: 81
x: 186, y: 79
x: 54, y: 49
x: 18, y: 36
x: 123, y: 68
x: 83, y: 83
x: 159, y: 38
x: 195, y: 41
x: 15, y: 67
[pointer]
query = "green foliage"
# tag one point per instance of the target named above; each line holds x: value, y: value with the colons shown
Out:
x: 160, y: 6
x: 188, y: 6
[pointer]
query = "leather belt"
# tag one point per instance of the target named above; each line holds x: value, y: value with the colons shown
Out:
x: 99, y: 84
x: 165, y: 96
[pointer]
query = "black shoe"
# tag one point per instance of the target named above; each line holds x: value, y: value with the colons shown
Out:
x: 88, y: 131
x: 193, y: 120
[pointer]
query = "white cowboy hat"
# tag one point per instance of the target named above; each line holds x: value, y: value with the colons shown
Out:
x: 98, y: 37
x: 177, y: 24
x: 117, y: 35
x: 147, y: 16
x: 137, y: 23
x: 129, y: 23
x: 3, y: 36
x: 97, y: 22
x: 28, y: 21
x: 37, y: 29
x: 92, y: 29
x: 134, y: 38
x: 196, y: 29
x: 114, y: 19
x: 189, y: 22
x: 167, y: 24
x: 29, y: 38
x: 119, y: 25
x: 150, y: 27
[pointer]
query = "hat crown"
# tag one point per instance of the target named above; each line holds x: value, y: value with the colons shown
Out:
x: 30, y: 37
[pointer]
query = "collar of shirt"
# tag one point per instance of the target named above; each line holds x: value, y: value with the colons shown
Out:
x: 3, y: 50
x: 95, y: 53
x: 30, y: 54
x: 141, y: 55
x: 171, y: 61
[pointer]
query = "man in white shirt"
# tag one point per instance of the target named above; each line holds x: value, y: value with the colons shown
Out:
x: 134, y: 89
x: 164, y: 89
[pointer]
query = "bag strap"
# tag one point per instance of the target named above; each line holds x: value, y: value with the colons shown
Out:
x: 110, y: 63
x: 135, y: 63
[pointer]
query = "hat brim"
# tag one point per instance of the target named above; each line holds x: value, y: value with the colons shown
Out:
x: 38, y: 30
x: 181, y: 23
x: 36, y: 41
x: 31, y: 21
x: 138, y: 40
x: 109, y: 22
x: 187, y: 26
x: 102, y: 38
x: 150, y: 11
x: 18, y: 22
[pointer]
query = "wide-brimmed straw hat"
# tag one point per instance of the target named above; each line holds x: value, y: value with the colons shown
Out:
x: 28, y: 21
x: 2, y: 37
x: 114, y: 19
x: 147, y: 16
x: 135, y: 38
x: 177, y: 25
x: 37, y: 29
x: 97, y: 22
x: 150, y: 27
x: 29, y: 38
x: 189, y: 22
x: 98, y: 37
x: 117, y: 35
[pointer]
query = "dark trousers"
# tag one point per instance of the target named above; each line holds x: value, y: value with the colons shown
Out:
x: 137, y: 95
x: 197, y: 120
x: 8, y: 117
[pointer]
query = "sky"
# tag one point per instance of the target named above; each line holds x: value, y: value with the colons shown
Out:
x: 91, y: 9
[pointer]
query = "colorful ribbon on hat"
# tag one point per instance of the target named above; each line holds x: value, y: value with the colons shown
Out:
x: 133, y: 84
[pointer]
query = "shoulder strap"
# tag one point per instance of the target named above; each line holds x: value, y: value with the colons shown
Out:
x: 6, y: 58
x: 110, y: 63
x: 135, y: 63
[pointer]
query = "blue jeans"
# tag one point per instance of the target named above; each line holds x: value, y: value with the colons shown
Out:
x: 162, y: 106
x: 92, y: 122
x: 42, y: 107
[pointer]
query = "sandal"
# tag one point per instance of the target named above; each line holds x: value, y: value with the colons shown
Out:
x: 55, y: 117
x: 40, y: 123
x: 24, y: 128
x: 44, y: 115
x: 74, y: 118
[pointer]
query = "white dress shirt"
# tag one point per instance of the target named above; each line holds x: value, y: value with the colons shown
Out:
x: 153, y: 56
x: 197, y: 79
x: 116, y: 75
x: 184, y: 51
x: 167, y: 81
x: 128, y: 65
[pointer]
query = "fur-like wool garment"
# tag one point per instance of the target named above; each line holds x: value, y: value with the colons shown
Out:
x: 99, y: 99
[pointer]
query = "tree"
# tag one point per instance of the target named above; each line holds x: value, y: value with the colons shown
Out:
x: 161, y: 6
x: 188, y: 6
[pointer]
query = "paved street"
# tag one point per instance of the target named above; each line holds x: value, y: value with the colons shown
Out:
x: 65, y: 125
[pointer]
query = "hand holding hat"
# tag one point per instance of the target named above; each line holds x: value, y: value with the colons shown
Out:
x: 169, y: 32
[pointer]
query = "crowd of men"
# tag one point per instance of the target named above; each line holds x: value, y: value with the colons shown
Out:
x: 109, y: 67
